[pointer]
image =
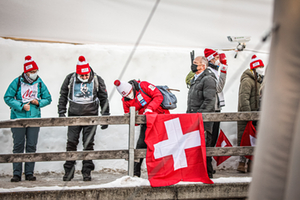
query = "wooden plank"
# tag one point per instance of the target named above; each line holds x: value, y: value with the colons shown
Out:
x: 36, y: 40
x: 211, y: 151
x: 217, y: 117
x: 114, y: 154
x: 62, y: 156
x: 114, y: 120
x: 65, y: 121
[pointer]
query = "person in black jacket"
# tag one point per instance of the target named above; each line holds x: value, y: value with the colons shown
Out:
x: 202, y: 97
x: 84, y: 90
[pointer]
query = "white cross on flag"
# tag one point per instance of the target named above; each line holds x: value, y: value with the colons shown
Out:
x: 249, y: 137
x: 175, y: 149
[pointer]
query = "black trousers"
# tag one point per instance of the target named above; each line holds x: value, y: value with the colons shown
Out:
x: 88, y: 134
x: 215, y: 132
x: 141, y: 144
x: 208, y: 143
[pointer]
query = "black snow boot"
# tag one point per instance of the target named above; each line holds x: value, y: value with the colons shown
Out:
x: 30, y: 177
x: 15, y: 178
x: 86, y: 174
x: 69, y: 174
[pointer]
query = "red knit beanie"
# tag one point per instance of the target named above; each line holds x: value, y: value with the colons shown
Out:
x: 82, y: 66
x: 29, y: 64
x: 255, y: 62
x: 210, y: 54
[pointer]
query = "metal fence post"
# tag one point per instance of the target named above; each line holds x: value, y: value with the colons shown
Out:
x: 131, y: 141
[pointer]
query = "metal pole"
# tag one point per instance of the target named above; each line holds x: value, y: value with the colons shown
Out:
x: 131, y: 141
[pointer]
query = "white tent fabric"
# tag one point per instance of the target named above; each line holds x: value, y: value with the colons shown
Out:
x: 276, y: 173
x: 189, y: 23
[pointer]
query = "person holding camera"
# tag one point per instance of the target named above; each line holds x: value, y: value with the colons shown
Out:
x: 84, y: 90
x: 215, y: 61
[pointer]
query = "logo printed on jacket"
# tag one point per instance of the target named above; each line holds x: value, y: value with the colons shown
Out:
x: 141, y: 99
x: 152, y: 87
x: 29, y: 92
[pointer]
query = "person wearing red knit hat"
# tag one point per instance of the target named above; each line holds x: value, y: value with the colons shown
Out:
x: 26, y: 95
x: 249, y: 100
x: 145, y: 97
x: 84, y: 90
x: 216, y: 61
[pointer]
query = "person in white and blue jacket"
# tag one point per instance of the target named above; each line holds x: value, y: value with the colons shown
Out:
x: 25, y: 96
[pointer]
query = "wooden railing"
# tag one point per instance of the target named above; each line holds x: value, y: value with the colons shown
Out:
x: 129, y: 154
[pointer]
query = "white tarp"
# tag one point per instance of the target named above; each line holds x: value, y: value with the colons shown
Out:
x: 177, y: 23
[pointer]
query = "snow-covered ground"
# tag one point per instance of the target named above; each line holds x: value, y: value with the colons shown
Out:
x: 163, y: 58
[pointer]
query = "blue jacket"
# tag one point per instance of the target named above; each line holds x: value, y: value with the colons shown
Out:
x: 13, y: 99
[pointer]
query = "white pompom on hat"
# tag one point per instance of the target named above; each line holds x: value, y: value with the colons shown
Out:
x: 29, y: 64
x: 124, y: 88
x: 255, y: 62
x: 82, y: 66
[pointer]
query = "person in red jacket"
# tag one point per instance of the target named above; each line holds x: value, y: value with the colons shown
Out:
x: 145, y: 97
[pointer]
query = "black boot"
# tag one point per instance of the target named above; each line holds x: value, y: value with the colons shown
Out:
x: 69, y: 174
x: 137, y: 169
x: 87, y: 176
x: 30, y: 177
x: 15, y: 178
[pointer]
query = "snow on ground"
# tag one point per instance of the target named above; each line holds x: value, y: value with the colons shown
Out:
x: 125, y: 181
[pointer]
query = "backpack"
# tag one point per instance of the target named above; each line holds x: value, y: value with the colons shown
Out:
x: 170, y: 99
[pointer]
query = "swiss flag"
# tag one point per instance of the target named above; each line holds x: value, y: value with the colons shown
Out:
x: 175, y: 149
x: 222, y: 142
x: 249, y: 137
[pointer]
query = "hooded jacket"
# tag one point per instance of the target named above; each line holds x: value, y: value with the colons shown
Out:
x: 248, y: 98
x: 247, y: 91
x: 13, y: 98
x: 83, y: 98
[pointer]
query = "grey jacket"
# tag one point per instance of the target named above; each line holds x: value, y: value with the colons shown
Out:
x: 202, y: 96
x: 220, y: 101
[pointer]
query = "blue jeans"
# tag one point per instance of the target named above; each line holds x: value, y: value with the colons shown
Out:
x: 29, y: 134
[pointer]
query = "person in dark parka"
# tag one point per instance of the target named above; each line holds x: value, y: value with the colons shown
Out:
x: 202, y: 97
x: 249, y: 101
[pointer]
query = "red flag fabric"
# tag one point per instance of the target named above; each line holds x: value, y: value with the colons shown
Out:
x: 249, y: 137
x: 175, y: 149
x: 222, y: 142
